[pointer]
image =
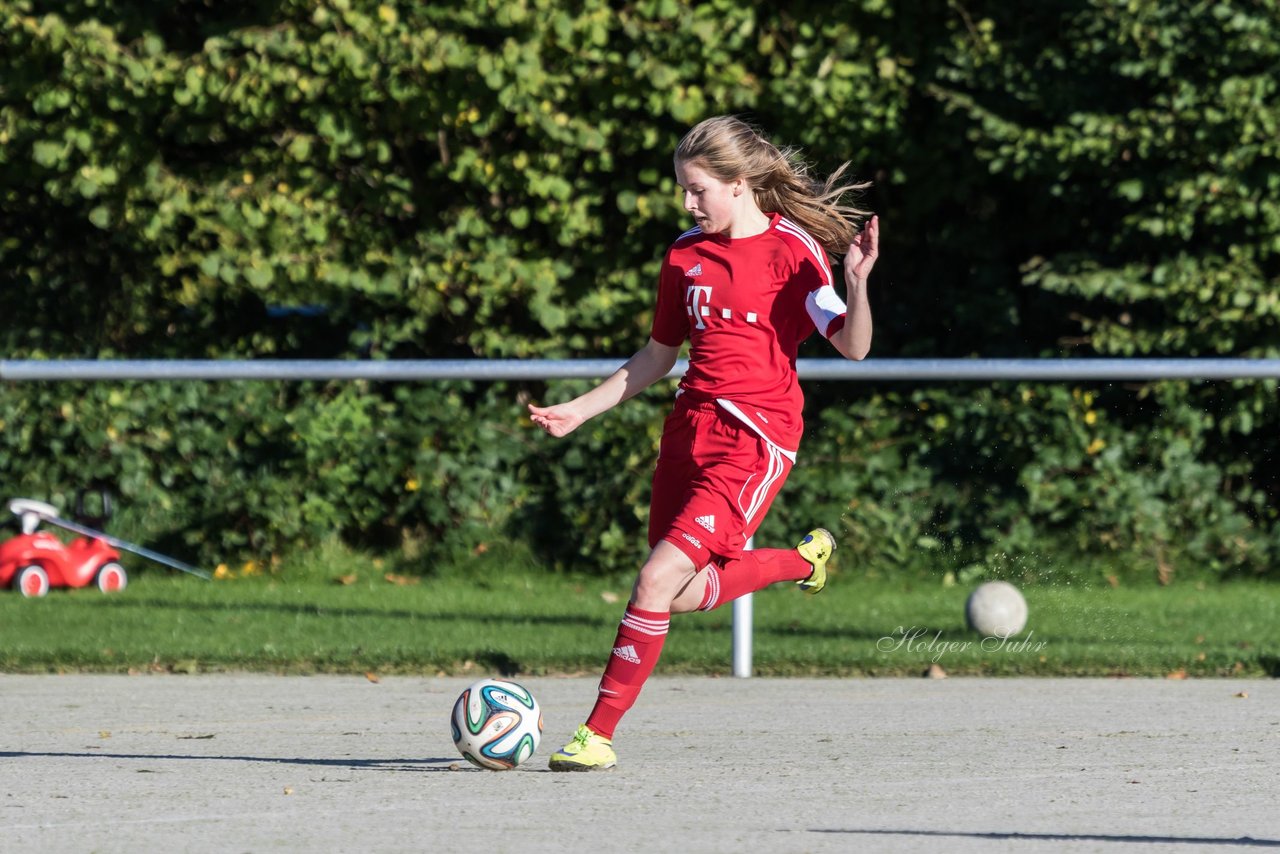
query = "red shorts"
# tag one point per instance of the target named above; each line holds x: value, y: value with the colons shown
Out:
x: 714, y: 482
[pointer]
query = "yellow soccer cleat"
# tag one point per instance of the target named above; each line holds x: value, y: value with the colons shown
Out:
x: 586, y: 752
x: 816, y: 548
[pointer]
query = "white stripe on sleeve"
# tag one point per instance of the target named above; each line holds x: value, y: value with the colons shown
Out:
x: 786, y: 226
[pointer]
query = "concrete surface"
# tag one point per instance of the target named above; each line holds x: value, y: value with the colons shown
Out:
x: 262, y: 763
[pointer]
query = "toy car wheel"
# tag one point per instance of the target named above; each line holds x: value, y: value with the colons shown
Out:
x: 111, y: 578
x: 31, y: 581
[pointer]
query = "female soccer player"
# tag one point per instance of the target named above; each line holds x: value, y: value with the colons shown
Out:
x: 745, y: 286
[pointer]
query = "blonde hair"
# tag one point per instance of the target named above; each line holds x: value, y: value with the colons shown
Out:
x: 729, y: 148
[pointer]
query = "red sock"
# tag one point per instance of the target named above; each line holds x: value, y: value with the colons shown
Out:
x: 635, y: 653
x: 755, y: 570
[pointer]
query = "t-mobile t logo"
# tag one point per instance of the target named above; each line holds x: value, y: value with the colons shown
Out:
x: 698, y: 300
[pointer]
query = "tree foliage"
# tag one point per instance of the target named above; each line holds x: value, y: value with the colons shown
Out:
x: 365, y: 179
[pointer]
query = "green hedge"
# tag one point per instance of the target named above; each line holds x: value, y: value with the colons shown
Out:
x: 1025, y: 480
x: 351, y: 179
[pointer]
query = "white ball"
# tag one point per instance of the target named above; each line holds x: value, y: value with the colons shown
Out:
x: 497, y: 724
x: 996, y: 609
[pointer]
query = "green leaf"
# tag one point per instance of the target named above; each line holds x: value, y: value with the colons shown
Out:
x: 48, y: 153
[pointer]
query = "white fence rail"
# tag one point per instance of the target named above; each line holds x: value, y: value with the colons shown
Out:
x: 421, y: 370
x: 486, y: 370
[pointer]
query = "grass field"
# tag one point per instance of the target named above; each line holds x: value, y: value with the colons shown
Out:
x: 526, y: 623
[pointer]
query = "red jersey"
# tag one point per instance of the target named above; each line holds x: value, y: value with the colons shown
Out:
x: 745, y: 305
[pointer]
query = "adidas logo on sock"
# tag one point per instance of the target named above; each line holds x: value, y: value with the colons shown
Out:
x: 695, y: 270
x: 627, y: 653
x: 708, y: 522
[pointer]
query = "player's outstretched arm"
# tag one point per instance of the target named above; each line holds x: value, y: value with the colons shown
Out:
x: 854, y: 339
x: 653, y: 362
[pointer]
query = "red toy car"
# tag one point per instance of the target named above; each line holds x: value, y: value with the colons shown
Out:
x: 37, y: 560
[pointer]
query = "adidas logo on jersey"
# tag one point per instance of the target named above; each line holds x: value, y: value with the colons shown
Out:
x: 708, y: 522
x: 627, y: 653
x: 695, y: 270
x: 696, y: 543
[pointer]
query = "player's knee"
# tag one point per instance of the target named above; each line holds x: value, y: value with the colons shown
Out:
x: 654, y: 579
x: 659, y: 582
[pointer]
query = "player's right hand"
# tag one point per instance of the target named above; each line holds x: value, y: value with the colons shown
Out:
x: 559, y: 420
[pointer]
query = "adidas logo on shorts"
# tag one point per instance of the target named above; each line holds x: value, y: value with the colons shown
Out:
x: 708, y: 522
x: 627, y: 653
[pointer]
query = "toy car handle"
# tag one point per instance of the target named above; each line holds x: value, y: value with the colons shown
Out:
x: 130, y: 547
x: 31, y: 512
x: 22, y: 506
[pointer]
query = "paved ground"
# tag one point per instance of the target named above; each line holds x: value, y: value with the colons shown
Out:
x: 317, y: 764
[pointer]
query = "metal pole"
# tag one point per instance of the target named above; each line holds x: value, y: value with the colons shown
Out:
x: 742, y: 630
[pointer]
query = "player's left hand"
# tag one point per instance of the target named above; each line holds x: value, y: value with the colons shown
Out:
x: 862, y: 254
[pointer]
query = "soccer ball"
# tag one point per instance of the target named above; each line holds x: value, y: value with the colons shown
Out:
x: 996, y: 609
x: 496, y: 724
